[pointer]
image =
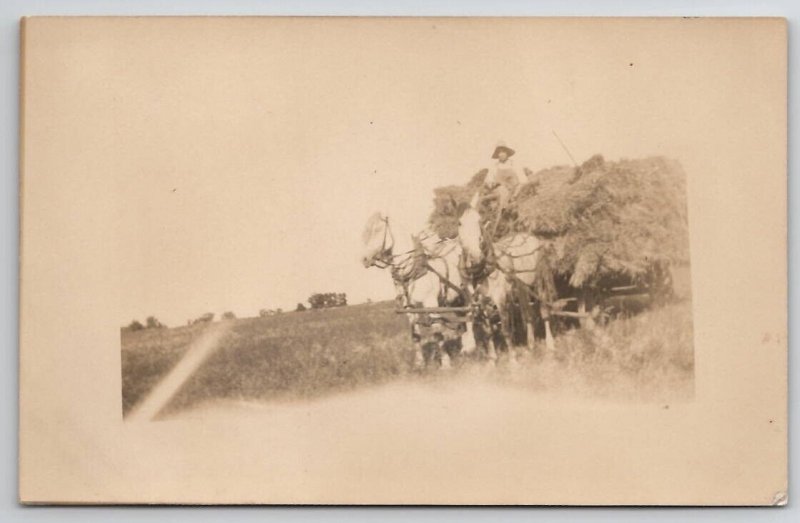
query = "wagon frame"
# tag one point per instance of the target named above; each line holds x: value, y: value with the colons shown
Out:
x: 592, y: 306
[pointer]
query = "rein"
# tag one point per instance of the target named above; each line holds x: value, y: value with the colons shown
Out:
x: 446, y: 281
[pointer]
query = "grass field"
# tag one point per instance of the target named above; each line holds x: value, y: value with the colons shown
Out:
x: 301, y: 355
x: 292, y: 355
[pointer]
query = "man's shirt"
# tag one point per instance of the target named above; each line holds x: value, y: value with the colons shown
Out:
x: 504, y: 173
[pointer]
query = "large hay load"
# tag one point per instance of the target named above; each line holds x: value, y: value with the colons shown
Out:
x: 447, y: 202
x: 603, y: 220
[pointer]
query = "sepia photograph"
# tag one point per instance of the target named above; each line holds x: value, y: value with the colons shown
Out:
x: 459, y: 261
x: 574, y: 279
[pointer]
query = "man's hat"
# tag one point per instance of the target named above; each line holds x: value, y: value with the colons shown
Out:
x: 501, y: 146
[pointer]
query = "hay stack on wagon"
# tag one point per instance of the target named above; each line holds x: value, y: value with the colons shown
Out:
x: 448, y: 202
x: 601, y: 220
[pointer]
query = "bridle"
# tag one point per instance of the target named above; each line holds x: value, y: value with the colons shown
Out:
x: 384, y: 258
x: 486, y: 264
x: 405, y: 267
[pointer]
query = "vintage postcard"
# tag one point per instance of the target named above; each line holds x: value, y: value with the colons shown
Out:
x: 506, y: 261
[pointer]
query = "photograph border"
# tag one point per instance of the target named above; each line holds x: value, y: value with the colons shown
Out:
x: 10, y: 13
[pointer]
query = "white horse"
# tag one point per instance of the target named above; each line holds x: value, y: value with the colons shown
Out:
x: 495, y: 268
x: 426, y: 274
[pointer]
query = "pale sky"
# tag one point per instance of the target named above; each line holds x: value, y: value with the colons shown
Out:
x: 245, y: 162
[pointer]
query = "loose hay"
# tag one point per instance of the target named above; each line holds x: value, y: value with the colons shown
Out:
x: 602, y: 219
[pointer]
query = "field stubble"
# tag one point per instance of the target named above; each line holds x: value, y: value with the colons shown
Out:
x: 312, y: 354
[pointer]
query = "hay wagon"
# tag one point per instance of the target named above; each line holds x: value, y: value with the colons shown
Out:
x: 615, y: 229
x: 599, y: 303
x: 587, y: 306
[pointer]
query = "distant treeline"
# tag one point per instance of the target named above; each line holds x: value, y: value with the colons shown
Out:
x: 318, y: 300
x: 324, y: 300
x: 150, y: 323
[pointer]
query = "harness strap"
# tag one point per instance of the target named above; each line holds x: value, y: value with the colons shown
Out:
x: 417, y: 271
x: 447, y: 282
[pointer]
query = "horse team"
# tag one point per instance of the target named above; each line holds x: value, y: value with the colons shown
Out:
x: 477, y: 280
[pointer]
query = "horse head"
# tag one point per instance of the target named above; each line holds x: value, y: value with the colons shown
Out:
x: 470, y: 234
x: 377, y: 241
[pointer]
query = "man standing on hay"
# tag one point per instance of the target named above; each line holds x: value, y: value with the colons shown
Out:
x: 500, y: 185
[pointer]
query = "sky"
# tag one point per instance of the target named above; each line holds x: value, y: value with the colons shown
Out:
x: 243, y: 159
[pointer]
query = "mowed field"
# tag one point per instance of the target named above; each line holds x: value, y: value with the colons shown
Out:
x: 306, y: 355
x: 288, y: 356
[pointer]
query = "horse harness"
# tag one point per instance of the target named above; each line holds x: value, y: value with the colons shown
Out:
x: 477, y: 272
x: 414, y: 265
x: 410, y: 269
